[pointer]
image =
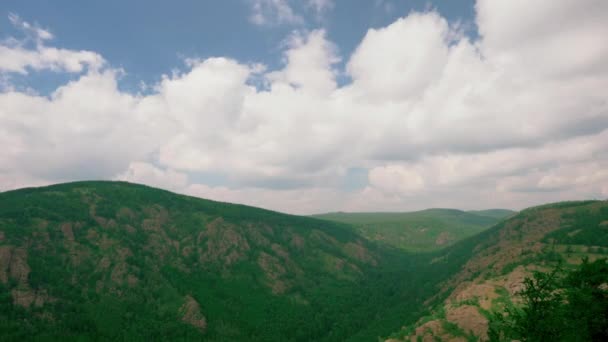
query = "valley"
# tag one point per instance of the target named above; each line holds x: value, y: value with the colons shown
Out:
x: 115, y: 260
x: 420, y: 231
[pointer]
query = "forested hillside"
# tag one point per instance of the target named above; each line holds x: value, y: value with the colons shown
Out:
x: 112, y: 260
x: 120, y: 261
x: 420, y: 231
x: 493, y: 281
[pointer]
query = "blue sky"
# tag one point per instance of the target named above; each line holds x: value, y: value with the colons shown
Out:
x: 150, y: 38
x: 311, y: 106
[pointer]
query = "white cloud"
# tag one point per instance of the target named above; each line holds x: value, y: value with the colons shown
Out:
x: 85, y: 129
x: 140, y: 172
x: 399, y: 62
x: 36, y: 32
x: 514, y: 118
x: 395, y: 179
x: 280, y: 12
x: 16, y: 57
x: 309, y: 64
x: 273, y: 12
x: 567, y: 36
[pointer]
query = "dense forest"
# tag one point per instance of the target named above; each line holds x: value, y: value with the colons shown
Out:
x: 420, y: 231
x: 120, y: 261
x: 543, y: 260
x: 124, y: 261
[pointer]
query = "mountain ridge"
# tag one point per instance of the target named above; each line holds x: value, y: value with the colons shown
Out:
x: 117, y: 260
x: 419, y: 231
x: 536, y: 239
x: 121, y: 260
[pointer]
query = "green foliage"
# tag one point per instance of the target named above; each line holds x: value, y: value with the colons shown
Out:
x: 494, y: 213
x: 116, y: 261
x: 558, y: 307
x: 453, y: 329
x: 591, y: 229
x: 425, y: 230
x: 138, y: 252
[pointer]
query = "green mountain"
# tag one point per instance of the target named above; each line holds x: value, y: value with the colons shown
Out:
x: 540, y: 239
x: 119, y: 261
x: 495, y: 213
x: 425, y: 230
x: 113, y: 260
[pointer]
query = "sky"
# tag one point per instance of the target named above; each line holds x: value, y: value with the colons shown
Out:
x: 311, y: 106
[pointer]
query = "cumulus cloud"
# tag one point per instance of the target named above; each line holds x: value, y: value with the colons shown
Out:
x: 309, y: 64
x: 402, y: 60
x: 516, y: 117
x: 17, y: 57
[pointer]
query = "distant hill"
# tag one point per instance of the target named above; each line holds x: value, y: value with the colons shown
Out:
x: 425, y: 230
x: 120, y: 261
x: 536, y: 239
x: 495, y: 213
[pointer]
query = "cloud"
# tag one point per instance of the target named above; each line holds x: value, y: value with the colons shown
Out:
x: 310, y: 60
x: 395, y: 179
x: 385, y: 5
x: 516, y: 117
x: 400, y: 61
x: 36, y: 32
x: 320, y: 7
x: 273, y: 12
x: 282, y: 12
x: 17, y: 57
x: 140, y: 172
x: 567, y: 36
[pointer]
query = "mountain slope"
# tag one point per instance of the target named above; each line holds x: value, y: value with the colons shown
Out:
x: 537, y: 239
x: 495, y: 213
x: 113, y: 260
x: 424, y: 230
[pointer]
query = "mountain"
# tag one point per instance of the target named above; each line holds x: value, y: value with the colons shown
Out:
x: 499, y: 259
x: 120, y: 261
x: 495, y: 213
x: 425, y: 230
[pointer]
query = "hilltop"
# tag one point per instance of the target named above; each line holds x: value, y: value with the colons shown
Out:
x: 121, y: 261
x: 536, y: 239
x: 114, y: 260
x: 419, y: 231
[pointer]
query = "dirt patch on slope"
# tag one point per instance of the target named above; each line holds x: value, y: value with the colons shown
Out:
x: 468, y: 318
x: 191, y: 314
x: 125, y: 213
x: 483, y: 293
x: 222, y: 243
x: 357, y: 251
x: 297, y: 241
x: 19, y: 269
x: 66, y: 229
x: 443, y: 239
x: 433, y: 331
x: 274, y: 271
x: 13, y: 265
x: 157, y: 216
x: 6, y: 252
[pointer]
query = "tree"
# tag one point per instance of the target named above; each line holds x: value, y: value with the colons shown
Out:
x: 558, y: 307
